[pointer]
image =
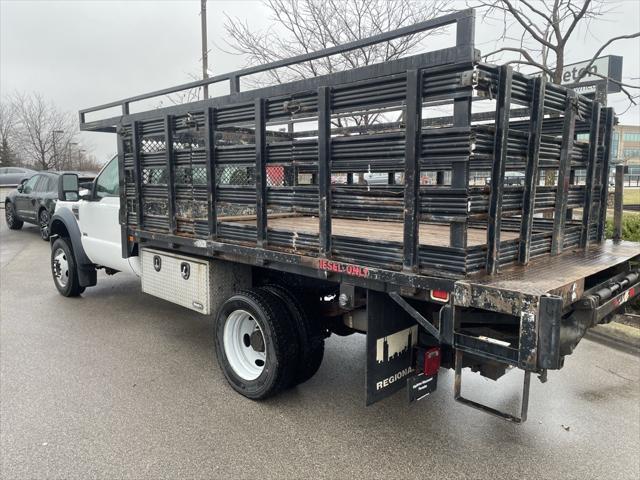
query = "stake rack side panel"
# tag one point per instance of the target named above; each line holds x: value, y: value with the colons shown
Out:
x: 297, y: 168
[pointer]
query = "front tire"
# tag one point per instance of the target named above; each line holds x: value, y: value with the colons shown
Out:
x: 43, y: 222
x: 64, y: 269
x: 10, y: 216
x: 256, y: 345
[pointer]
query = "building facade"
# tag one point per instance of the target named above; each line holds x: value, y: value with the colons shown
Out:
x: 626, y: 147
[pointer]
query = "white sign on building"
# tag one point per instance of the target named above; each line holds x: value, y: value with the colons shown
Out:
x: 609, y: 66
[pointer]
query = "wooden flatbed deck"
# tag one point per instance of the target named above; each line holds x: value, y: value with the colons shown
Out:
x: 430, y: 234
x: 553, y: 274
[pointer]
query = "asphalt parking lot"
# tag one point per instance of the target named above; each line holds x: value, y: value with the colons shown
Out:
x: 118, y: 384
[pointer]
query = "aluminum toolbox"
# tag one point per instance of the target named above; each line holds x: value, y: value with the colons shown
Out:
x: 180, y: 279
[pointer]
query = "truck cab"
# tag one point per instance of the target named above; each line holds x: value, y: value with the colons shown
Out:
x: 86, y: 227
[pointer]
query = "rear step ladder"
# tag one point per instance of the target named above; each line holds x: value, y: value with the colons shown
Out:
x: 524, y: 406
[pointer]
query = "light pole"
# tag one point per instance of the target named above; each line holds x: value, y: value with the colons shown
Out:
x: 68, y: 155
x: 203, y: 28
x: 55, y: 152
x: 80, y: 158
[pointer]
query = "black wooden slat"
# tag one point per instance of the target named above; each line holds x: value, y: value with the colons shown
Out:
x: 412, y: 170
x: 594, y: 141
x: 604, y: 173
x: 562, y: 189
x: 171, y: 180
x: 531, y: 173
x: 261, y: 172
x: 497, y: 173
x: 122, y: 214
x: 210, y: 147
x: 324, y: 169
x: 460, y: 170
x: 137, y: 170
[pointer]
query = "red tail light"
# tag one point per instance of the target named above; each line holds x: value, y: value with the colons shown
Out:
x: 440, y: 295
x: 431, y: 361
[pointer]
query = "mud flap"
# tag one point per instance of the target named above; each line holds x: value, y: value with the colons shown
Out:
x: 391, y: 336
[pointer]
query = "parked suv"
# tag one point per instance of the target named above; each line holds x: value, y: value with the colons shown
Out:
x: 34, y: 201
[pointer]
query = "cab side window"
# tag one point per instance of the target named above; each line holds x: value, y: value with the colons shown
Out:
x: 107, y: 184
x: 30, y: 184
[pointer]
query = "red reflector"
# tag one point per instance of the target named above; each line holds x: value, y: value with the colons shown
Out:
x: 431, y: 361
x: 441, y: 295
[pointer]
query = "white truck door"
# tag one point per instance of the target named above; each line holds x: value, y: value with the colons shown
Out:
x: 98, y: 220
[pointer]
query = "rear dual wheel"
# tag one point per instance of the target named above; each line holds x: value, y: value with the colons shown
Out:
x: 266, y: 342
x: 256, y: 345
x: 308, y: 330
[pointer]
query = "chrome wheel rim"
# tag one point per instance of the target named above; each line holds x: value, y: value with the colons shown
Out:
x: 60, y: 268
x: 244, y: 345
x: 8, y: 212
x: 44, y: 224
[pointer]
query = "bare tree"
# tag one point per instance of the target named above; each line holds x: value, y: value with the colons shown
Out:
x: 303, y: 26
x: 185, y: 96
x: 90, y: 164
x: 43, y: 130
x: 539, y: 33
x: 80, y: 157
x: 8, y: 127
x: 85, y: 161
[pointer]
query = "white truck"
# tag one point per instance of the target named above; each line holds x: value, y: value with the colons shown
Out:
x: 232, y: 206
x: 96, y: 214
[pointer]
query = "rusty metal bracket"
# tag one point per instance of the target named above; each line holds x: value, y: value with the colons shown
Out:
x: 469, y: 78
x: 524, y: 406
x: 417, y: 316
x: 291, y: 106
x: 574, y: 102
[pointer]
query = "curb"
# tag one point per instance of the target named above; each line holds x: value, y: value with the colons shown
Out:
x: 617, y: 335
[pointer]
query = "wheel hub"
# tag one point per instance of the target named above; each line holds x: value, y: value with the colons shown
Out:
x: 244, y: 345
x: 257, y: 342
x: 44, y: 224
x: 60, y: 267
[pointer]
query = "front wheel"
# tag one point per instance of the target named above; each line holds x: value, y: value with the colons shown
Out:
x: 64, y: 270
x: 43, y: 221
x: 256, y: 345
x: 13, y: 222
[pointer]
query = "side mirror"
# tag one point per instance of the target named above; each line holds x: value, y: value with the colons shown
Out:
x: 68, y: 187
x: 21, y: 186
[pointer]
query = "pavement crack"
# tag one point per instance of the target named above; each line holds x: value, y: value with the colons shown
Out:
x: 616, y: 374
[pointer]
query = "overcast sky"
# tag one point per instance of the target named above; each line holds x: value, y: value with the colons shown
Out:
x: 87, y: 52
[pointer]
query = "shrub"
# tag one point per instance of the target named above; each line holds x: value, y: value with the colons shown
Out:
x: 630, y: 227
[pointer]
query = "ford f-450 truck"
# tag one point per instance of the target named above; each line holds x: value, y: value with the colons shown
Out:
x: 250, y: 207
